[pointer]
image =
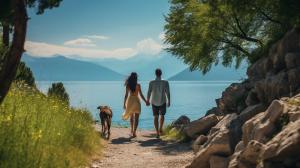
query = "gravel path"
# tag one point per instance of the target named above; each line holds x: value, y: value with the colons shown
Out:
x: 144, y: 151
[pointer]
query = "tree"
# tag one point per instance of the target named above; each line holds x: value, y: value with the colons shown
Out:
x: 205, y: 32
x: 58, y: 90
x: 25, y: 74
x: 13, y: 18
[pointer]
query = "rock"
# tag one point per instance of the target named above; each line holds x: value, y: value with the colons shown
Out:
x: 234, y: 158
x: 294, y: 80
x: 224, y: 122
x: 284, y: 147
x: 252, y: 98
x: 181, y: 121
x: 232, y: 100
x: 262, y: 126
x: 200, y: 126
x: 215, y: 111
x: 272, y: 87
x: 218, y: 162
x: 199, y: 142
x: 292, y: 60
x: 217, y: 144
x: 250, y: 154
x: 236, y: 124
x: 289, y: 43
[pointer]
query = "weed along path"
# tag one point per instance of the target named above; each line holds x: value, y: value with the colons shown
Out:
x: 144, y: 151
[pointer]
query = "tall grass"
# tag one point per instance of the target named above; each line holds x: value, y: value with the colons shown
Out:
x: 38, y: 131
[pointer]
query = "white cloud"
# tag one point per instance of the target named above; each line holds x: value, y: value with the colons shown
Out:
x: 162, y: 36
x: 40, y: 49
x: 78, y: 48
x: 148, y: 46
x: 80, y: 42
x: 98, y: 37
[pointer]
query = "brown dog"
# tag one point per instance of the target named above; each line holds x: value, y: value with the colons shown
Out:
x: 105, y: 114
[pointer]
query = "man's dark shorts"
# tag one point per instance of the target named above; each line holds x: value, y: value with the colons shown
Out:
x: 159, y: 110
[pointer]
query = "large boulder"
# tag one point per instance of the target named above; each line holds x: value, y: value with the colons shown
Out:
x: 181, y: 122
x: 283, y: 149
x: 200, y: 126
x: 262, y: 126
x: 233, y: 98
x: 217, y: 144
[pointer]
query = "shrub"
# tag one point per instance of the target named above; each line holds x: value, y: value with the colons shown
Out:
x: 39, y: 131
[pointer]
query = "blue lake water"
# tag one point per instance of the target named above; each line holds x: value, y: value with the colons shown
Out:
x: 188, y: 98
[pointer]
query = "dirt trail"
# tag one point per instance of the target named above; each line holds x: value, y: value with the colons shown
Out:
x: 144, y: 151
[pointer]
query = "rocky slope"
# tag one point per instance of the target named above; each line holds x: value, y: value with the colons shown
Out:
x: 257, y: 122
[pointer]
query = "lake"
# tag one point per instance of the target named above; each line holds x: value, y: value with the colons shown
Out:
x: 190, y: 98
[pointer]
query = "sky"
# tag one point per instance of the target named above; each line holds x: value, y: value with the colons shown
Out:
x: 98, y: 29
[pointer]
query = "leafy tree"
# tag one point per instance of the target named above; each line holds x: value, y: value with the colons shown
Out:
x: 205, y: 32
x: 58, y: 90
x: 13, y: 20
x: 25, y: 74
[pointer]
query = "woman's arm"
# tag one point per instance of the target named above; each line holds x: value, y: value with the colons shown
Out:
x: 141, y: 94
x: 125, y: 98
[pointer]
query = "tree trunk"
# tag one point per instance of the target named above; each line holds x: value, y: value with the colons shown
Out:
x: 5, y: 36
x: 13, y: 56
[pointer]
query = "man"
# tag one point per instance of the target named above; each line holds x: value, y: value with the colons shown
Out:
x: 159, y: 92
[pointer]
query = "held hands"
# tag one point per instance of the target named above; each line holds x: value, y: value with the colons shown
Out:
x: 147, y: 103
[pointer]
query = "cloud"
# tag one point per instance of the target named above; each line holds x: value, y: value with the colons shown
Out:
x: 80, y: 42
x: 148, y: 46
x: 98, y: 37
x: 79, y: 48
x: 40, y: 49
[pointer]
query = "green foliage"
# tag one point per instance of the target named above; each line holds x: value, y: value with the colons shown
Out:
x: 6, y: 11
x: 39, y: 131
x: 204, y: 33
x: 58, y: 90
x: 25, y: 74
x: 172, y: 134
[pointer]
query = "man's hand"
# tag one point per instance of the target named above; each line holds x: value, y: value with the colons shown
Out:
x: 147, y: 103
x: 169, y: 104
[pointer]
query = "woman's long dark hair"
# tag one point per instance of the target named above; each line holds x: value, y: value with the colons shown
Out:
x: 131, y: 81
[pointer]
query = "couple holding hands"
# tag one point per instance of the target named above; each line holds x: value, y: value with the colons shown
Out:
x: 158, y: 96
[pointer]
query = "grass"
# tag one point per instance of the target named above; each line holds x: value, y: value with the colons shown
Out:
x: 38, y: 131
x: 172, y: 134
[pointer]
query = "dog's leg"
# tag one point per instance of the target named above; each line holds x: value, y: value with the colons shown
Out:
x: 108, y: 127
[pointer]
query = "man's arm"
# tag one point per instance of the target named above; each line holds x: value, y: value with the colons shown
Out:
x: 168, y: 93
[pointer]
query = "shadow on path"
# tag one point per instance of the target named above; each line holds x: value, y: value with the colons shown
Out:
x: 166, y: 148
x: 121, y: 140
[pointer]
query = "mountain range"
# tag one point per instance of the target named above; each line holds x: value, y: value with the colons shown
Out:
x: 60, y: 68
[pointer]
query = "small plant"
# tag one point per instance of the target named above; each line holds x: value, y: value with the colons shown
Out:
x: 172, y: 134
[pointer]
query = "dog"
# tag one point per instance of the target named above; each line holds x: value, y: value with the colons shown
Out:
x: 105, y: 114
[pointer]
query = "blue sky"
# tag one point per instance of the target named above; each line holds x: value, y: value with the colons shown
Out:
x: 98, y: 28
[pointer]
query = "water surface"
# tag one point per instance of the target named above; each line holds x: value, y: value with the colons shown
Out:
x: 188, y: 98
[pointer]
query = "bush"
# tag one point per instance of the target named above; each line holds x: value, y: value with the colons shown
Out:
x: 38, y: 131
x: 172, y: 134
x: 57, y: 90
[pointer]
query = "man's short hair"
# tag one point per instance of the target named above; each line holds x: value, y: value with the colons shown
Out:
x: 158, y: 72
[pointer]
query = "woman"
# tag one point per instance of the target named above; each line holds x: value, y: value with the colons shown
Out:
x: 132, y: 105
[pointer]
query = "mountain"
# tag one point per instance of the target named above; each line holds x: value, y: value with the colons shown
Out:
x: 145, y: 65
x: 60, y: 68
x: 217, y: 73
